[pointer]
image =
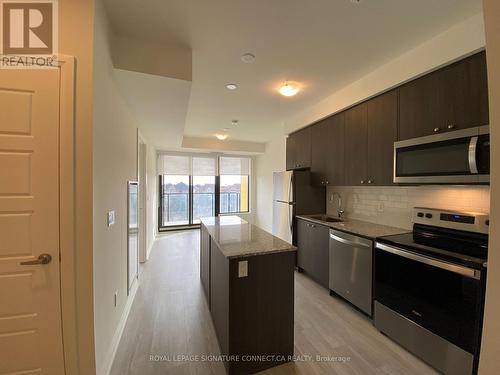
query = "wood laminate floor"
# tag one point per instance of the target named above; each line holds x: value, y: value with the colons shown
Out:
x: 170, y: 318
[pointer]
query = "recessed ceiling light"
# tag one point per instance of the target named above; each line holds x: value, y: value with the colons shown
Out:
x: 221, y: 137
x: 234, y: 122
x: 248, y: 58
x: 231, y: 86
x: 289, y: 89
x: 356, y: 1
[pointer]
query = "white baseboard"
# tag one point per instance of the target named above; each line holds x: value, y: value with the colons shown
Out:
x: 106, y: 368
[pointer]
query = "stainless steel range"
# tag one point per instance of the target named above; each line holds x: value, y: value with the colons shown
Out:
x: 429, y: 287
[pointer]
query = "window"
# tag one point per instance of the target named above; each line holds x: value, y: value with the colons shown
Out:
x: 234, y: 184
x: 190, y: 189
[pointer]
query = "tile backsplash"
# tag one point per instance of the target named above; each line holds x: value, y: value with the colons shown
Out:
x: 393, y: 205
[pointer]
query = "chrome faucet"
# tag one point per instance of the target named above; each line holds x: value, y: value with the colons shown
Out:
x: 340, y: 211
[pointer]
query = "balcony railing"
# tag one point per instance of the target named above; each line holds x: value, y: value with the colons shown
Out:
x: 175, y: 206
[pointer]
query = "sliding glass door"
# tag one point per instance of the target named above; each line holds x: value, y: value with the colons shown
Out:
x: 175, y: 200
x: 203, y: 197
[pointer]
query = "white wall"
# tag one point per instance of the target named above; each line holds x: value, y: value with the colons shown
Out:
x: 490, y: 349
x: 393, y: 205
x: 114, y: 163
x: 273, y: 160
x: 453, y: 44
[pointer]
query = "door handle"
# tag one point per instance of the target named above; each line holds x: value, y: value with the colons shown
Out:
x: 348, y: 242
x: 472, y: 155
x: 42, y: 259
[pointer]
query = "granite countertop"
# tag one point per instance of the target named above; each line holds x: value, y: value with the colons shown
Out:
x: 358, y: 227
x: 238, y: 238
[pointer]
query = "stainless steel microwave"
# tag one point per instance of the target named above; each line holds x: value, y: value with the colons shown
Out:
x: 457, y: 157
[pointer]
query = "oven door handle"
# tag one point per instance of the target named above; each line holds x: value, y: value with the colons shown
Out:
x: 472, y: 155
x: 464, y: 271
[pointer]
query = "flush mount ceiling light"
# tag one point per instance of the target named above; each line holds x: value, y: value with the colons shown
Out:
x: 221, y: 137
x: 248, y: 58
x: 289, y: 89
x: 231, y: 86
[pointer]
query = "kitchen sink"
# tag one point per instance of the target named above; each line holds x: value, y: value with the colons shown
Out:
x: 326, y: 218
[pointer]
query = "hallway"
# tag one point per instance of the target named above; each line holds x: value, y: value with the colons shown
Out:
x: 170, y: 318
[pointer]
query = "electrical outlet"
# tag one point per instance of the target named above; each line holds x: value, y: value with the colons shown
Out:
x: 243, y: 268
x: 116, y: 298
x: 111, y: 218
x: 331, y: 198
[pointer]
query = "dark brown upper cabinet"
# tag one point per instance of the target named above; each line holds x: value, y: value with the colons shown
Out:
x: 454, y: 97
x: 327, y: 151
x: 465, y: 93
x: 371, y: 128
x: 382, y: 120
x: 319, y: 157
x: 298, y: 149
x: 356, y: 146
x: 335, y: 150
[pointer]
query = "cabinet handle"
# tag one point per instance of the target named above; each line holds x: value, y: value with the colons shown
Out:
x: 322, y: 182
x: 363, y: 182
x: 451, y: 126
x: 436, y: 130
x: 326, y: 182
x: 370, y: 181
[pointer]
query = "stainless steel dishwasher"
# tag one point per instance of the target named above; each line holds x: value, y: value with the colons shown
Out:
x: 351, y: 269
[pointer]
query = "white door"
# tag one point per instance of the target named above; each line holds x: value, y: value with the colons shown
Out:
x: 30, y: 311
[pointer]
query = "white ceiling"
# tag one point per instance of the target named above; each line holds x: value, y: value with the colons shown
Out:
x: 324, y: 44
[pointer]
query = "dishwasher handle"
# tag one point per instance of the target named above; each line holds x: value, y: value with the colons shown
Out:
x: 349, y: 242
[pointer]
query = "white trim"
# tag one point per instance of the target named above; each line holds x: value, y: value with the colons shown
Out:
x: 115, y: 342
x: 69, y: 312
x: 143, y: 191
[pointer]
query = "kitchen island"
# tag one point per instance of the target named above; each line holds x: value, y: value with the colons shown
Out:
x: 248, y: 278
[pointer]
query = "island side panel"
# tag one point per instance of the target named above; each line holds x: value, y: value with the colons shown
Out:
x: 205, y: 262
x: 219, y: 295
x: 261, y: 309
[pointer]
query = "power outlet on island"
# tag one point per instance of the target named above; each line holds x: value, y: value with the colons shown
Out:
x: 243, y: 268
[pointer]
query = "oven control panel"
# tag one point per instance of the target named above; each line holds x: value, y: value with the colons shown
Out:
x: 467, y: 221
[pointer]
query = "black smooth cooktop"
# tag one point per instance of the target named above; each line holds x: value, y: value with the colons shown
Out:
x: 465, y: 248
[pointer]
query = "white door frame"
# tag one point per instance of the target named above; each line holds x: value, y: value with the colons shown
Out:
x: 143, y: 191
x: 67, y: 214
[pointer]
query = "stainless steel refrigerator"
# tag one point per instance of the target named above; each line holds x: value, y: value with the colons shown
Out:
x: 294, y: 195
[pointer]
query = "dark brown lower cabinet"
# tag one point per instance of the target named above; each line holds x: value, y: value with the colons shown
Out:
x: 253, y: 315
x: 313, y: 250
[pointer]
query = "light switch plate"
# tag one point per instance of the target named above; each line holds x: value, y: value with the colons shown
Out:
x: 243, y: 268
x: 111, y: 218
